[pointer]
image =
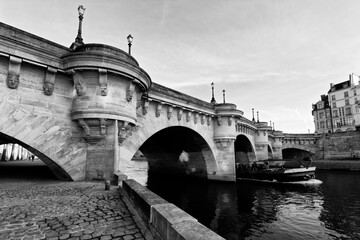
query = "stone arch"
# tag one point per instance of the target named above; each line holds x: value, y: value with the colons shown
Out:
x: 178, y: 150
x: 58, y: 171
x: 55, y: 140
x: 296, y: 153
x: 244, y: 150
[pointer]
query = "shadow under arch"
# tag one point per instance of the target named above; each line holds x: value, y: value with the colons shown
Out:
x: 59, y: 172
x: 270, y: 152
x: 178, y: 151
x: 295, y: 153
x: 244, y: 151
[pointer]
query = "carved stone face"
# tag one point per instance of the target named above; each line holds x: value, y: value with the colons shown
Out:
x: 80, y: 90
x: 48, y: 88
x: 103, y: 89
x: 12, y: 80
x: 129, y: 95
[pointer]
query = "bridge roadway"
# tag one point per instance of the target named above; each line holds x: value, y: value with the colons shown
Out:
x: 34, y: 205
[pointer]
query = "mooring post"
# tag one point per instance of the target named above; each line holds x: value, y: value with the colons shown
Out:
x: 107, y: 184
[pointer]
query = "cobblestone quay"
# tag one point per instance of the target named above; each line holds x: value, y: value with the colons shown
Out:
x: 64, y: 210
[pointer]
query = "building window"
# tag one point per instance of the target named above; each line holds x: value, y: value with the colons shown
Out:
x: 349, y: 121
x: 334, y: 104
x: 347, y: 102
x: 354, y: 92
x: 348, y: 111
x: 337, y: 123
x: 333, y: 97
x: 346, y: 94
x: 357, y: 109
x: 335, y: 113
x: 321, y: 115
x: 322, y: 125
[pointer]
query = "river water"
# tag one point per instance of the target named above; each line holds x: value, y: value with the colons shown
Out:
x: 253, y: 210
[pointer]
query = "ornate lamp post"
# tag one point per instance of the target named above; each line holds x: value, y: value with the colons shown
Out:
x: 130, y: 39
x: 78, y: 39
x: 257, y: 112
x: 213, y: 101
x: 224, y: 95
x: 253, y: 118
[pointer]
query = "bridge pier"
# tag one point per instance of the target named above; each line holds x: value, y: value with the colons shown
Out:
x: 225, y: 160
x: 262, y: 144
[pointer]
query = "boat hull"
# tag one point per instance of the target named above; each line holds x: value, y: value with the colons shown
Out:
x: 279, y: 175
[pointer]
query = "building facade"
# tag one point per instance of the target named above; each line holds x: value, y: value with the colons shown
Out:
x: 339, y: 110
x: 322, y: 115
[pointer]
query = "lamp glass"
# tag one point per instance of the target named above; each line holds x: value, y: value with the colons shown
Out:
x: 130, y: 38
x: 81, y: 10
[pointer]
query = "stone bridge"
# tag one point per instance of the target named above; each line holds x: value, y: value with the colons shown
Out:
x: 298, y: 145
x: 86, y: 111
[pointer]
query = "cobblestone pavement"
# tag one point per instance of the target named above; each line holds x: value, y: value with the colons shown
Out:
x: 64, y: 210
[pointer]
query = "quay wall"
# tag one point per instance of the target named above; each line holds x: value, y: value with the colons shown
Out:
x: 165, y: 220
x: 339, y: 146
x: 337, y: 164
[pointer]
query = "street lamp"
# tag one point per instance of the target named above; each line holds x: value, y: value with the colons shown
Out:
x: 78, y: 39
x: 213, y: 101
x: 130, y: 39
x: 224, y: 95
x: 81, y: 11
x: 253, y: 119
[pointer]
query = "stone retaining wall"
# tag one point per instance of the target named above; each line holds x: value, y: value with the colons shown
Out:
x: 164, y: 219
x: 337, y: 164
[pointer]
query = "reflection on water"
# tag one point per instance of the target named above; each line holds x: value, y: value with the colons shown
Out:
x: 251, y: 210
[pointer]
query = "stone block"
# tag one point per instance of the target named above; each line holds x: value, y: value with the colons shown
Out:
x: 189, y: 230
x: 163, y: 216
x: 142, y: 198
x: 120, y: 177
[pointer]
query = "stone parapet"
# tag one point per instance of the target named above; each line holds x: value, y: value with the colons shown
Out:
x: 164, y: 219
x: 17, y: 42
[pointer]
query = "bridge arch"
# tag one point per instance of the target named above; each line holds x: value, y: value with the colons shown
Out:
x: 177, y: 150
x: 53, y: 138
x: 244, y: 150
x: 58, y: 171
x: 296, y: 153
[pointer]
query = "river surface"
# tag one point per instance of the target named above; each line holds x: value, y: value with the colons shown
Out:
x: 253, y: 210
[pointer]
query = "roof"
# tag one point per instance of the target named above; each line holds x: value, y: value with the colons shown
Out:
x: 340, y: 86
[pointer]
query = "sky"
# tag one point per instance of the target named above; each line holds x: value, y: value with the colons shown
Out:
x: 276, y: 56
